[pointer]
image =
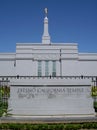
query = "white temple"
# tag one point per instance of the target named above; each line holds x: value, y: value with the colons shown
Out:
x: 47, y: 63
x: 46, y: 58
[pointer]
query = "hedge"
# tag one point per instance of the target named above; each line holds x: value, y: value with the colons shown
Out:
x: 68, y: 126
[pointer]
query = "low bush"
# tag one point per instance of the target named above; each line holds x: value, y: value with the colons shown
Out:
x: 67, y: 126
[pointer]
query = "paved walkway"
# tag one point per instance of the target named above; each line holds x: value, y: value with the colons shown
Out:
x: 47, y: 119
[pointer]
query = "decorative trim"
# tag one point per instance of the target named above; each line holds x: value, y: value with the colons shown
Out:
x: 40, y: 44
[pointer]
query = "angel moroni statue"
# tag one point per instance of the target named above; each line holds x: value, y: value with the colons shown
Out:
x: 46, y: 11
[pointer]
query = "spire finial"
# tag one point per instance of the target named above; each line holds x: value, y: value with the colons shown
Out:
x: 46, y: 11
x: 46, y: 37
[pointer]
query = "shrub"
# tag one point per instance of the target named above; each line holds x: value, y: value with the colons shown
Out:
x: 73, y: 127
x: 94, y: 91
x: 17, y: 126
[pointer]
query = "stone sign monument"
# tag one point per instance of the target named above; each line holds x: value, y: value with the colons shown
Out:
x: 36, y: 100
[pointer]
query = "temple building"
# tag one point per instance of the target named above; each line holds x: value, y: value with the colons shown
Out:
x: 48, y: 63
x: 46, y: 58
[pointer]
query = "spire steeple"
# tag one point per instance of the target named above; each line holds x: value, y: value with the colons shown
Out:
x: 46, y: 37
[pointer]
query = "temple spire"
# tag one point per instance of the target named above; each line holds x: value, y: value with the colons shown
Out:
x: 46, y: 37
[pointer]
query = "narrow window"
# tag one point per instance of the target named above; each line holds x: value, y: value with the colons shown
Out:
x: 39, y: 68
x: 53, y: 68
x: 46, y: 68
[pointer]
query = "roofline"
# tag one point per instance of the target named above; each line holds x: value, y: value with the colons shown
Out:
x: 40, y: 44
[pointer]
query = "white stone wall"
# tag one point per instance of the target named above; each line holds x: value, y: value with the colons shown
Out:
x: 7, y: 64
x: 87, y: 68
x: 70, y: 68
x: 7, y: 68
x: 25, y: 67
x: 24, y: 61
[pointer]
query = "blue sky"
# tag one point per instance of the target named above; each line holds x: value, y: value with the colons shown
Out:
x: 69, y: 21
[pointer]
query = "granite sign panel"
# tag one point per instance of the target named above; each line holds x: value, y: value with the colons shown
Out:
x: 45, y: 100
